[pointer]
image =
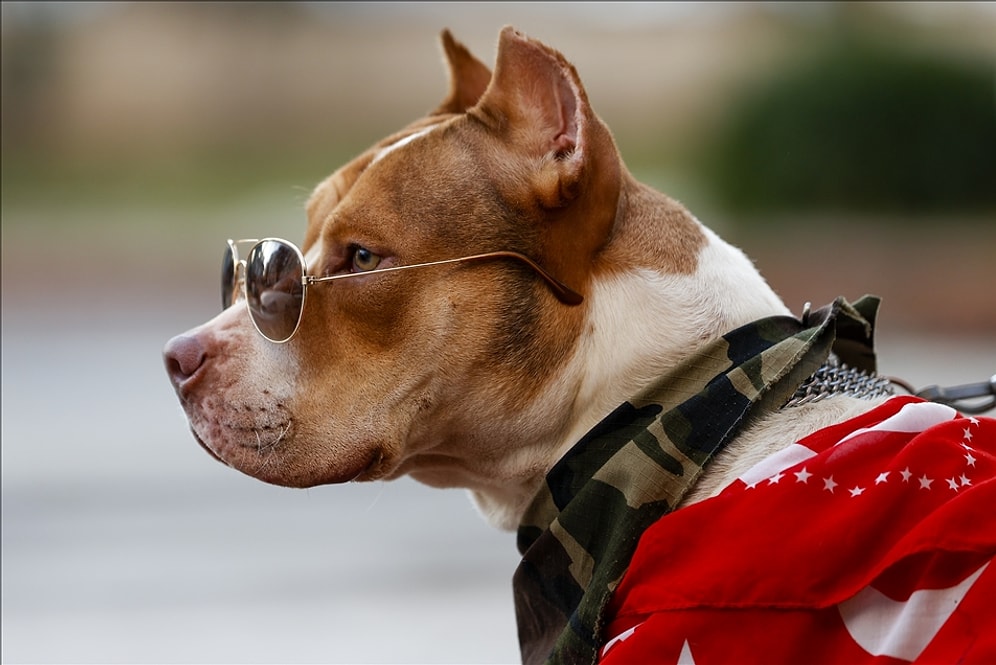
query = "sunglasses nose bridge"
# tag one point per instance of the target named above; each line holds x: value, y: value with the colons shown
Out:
x: 239, y: 279
x: 237, y: 287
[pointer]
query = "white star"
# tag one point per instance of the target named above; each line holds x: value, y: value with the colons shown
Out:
x: 882, y: 478
x: 906, y: 474
x: 802, y: 476
x: 964, y: 480
x: 773, y: 480
x: 829, y: 484
x: 969, y: 459
x: 685, y: 657
x: 973, y: 420
x: 856, y: 491
x: 953, y: 484
x: 968, y: 434
x: 925, y: 482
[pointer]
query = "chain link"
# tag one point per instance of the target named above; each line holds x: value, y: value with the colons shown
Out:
x: 835, y: 378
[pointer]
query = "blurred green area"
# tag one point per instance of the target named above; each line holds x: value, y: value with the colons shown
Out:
x: 862, y: 125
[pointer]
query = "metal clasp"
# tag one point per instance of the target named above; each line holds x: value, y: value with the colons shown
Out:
x: 954, y: 395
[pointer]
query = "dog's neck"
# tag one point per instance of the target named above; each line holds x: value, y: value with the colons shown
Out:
x: 642, y: 321
x: 645, y: 321
x: 640, y: 462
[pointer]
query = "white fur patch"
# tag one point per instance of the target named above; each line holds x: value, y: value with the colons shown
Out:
x: 643, y: 322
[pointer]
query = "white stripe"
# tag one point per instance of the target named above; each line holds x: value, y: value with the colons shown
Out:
x: 618, y: 638
x: 912, y: 418
x: 769, y: 466
x: 401, y: 143
x: 902, y: 629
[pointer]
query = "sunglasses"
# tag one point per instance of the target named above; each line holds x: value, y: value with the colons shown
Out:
x: 275, y: 281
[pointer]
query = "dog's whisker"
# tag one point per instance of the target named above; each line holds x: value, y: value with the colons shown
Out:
x: 374, y: 501
x: 266, y: 451
x: 283, y: 433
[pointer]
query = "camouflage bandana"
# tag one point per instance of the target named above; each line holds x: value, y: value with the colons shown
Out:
x: 635, y: 466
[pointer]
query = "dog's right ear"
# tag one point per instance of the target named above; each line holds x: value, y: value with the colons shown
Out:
x: 469, y: 77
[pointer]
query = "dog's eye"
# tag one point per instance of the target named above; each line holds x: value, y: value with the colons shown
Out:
x: 364, y: 260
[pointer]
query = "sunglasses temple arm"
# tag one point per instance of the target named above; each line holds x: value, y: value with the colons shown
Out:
x: 563, y: 293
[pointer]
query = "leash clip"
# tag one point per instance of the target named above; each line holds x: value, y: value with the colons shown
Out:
x: 952, y: 395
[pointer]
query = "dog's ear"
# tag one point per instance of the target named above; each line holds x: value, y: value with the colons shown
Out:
x: 469, y: 77
x: 552, y: 152
x: 536, y: 96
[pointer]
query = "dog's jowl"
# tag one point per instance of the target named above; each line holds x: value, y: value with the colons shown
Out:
x: 488, y: 299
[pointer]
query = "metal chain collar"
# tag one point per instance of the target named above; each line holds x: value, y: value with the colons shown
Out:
x: 835, y: 378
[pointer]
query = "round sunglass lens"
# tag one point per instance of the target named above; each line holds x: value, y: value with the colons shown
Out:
x: 274, y: 288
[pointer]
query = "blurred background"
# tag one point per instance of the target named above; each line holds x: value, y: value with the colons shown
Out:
x: 849, y: 148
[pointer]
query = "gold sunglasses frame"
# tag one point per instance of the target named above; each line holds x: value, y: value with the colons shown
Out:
x: 561, y: 291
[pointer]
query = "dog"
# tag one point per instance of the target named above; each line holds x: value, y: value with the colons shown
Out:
x: 488, y: 299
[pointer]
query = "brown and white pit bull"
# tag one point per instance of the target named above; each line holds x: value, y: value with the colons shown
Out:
x: 484, y: 374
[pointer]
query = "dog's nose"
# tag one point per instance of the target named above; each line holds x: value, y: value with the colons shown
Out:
x: 183, y: 355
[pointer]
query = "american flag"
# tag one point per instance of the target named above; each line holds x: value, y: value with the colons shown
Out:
x: 870, y: 541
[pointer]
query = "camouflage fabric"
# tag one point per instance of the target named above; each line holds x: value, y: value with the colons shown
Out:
x: 635, y: 466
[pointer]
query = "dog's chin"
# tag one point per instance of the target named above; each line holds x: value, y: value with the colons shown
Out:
x: 275, y: 468
x: 208, y: 448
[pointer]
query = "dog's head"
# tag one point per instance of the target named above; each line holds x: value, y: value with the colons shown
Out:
x: 467, y: 374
